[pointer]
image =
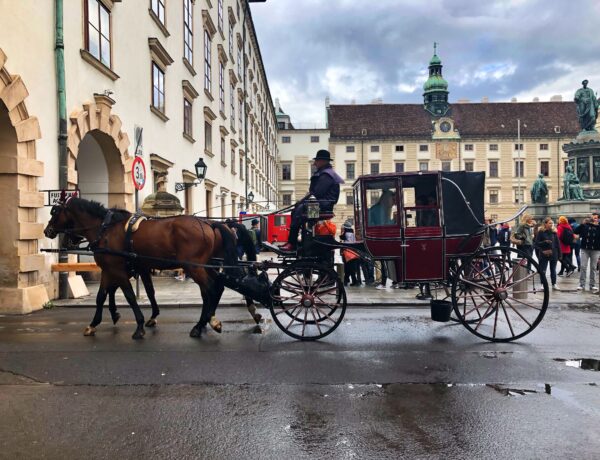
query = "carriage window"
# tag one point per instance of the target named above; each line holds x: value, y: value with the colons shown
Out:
x: 358, y: 213
x: 382, y: 208
x: 280, y: 221
x: 420, y: 201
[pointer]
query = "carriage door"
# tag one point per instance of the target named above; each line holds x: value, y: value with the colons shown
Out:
x: 422, y: 232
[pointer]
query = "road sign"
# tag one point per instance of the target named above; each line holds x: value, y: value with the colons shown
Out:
x: 138, y: 173
x: 55, y: 195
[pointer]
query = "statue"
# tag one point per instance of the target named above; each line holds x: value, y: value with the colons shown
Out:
x: 587, y: 107
x: 539, y: 190
x: 572, y: 190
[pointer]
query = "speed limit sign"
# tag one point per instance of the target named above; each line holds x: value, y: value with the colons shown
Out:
x: 138, y: 173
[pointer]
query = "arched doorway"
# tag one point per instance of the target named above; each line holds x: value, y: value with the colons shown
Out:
x: 22, y: 268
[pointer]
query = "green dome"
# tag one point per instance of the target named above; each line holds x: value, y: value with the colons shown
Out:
x: 435, y: 83
x: 435, y: 60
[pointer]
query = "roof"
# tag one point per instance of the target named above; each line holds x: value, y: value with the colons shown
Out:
x: 490, y: 119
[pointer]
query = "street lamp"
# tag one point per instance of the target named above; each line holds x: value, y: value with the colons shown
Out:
x: 200, y: 168
x: 250, y: 198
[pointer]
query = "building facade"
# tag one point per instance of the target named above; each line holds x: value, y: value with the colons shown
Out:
x: 170, y: 80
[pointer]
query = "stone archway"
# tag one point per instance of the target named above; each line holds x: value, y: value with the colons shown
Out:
x: 96, y: 120
x: 21, y: 290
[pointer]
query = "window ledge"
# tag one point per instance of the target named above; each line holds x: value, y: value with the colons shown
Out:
x: 159, y: 114
x: 189, y: 66
x: 223, y: 116
x: 223, y: 164
x: 189, y: 138
x: 208, y: 95
x: 208, y: 153
x: 160, y: 25
x: 90, y: 59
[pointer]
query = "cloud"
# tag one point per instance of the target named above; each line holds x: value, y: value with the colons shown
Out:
x: 346, y: 49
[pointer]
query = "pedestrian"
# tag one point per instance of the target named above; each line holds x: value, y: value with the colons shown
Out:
x: 256, y: 235
x: 522, y: 235
x: 566, y: 237
x: 493, y: 232
x: 548, y: 249
x: 589, y: 232
x: 504, y: 237
x: 351, y: 258
x: 384, y: 275
x: 576, y: 246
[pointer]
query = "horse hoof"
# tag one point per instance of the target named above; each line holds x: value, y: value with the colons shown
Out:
x: 89, y: 331
x: 216, y: 324
x: 138, y: 334
x: 196, y: 332
x: 257, y: 318
x: 151, y: 323
x: 116, y: 317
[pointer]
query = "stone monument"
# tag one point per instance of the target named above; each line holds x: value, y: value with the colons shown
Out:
x: 162, y: 203
x: 539, y: 190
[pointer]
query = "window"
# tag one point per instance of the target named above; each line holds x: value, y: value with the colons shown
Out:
x: 241, y: 114
x: 281, y: 124
x: 382, y: 208
x: 349, y: 149
x: 423, y: 165
x: 519, y: 147
x: 314, y: 139
x: 399, y: 148
x: 350, y: 198
x: 231, y: 39
x: 241, y: 168
x: 232, y: 161
x: 399, y: 166
x: 158, y: 88
x: 494, y: 168
x: 446, y: 166
x: 97, y: 37
x: 208, y: 136
x: 286, y: 139
x: 232, y: 108
x: 350, y: 172
x: 468, y: 147
x: 374, y: 168
x: 221, y: 87
x: 493, y: 196
x: 519, y: 194
x: 187, y: 117
x: 493, y: 147
x: 543, y: 146
x: 374, y: 148
x: 188, y: 35
x: 565, y: 165
x: 223, y: 152
x: 239, y: 61
x: 469, y: 166
x: 207, y: 48
x: 158, y: 8
x: 286, y: 199
x: 220, y: 14
x: 519, y: 168
x: 286, y: 171
x: 423, y: 148
x: 545, y: 168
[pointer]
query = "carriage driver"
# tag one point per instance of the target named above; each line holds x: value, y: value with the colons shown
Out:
x: 324, y: 186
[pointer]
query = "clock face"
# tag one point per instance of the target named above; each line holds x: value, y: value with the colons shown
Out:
x: 445, y: 126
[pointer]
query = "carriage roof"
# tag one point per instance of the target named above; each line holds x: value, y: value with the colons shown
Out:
x: 461, y: 195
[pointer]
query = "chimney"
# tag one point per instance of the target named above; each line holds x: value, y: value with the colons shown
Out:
x: 277, y: 107
x: 353, y: 102
x: 327, y: 102
x: 377, y: 100
x: 556, y: 98
x: 513, y: 99
x: 485, y: 99
x: 463, y: 101
x: 536, y: 99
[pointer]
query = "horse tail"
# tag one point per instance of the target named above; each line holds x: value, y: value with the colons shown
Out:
x: 229, y: 249
x: 245, y: 240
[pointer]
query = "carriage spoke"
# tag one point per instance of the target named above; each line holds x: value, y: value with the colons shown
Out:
x: 316, y: 322
x: 526, y: 304
x: 476, y: 285
x: 287, y: 309
x: 516, y: 311
x: 507, y: 319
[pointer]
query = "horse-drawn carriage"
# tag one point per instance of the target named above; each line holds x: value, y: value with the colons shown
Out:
x: 426, y: 227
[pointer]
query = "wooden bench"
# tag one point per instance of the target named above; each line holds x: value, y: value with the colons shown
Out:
x: 75, y: 267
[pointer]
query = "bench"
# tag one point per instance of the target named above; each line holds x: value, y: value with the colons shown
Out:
x: 75, y: 267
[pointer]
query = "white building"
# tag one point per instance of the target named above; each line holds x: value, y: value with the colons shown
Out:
x: 185, y: 77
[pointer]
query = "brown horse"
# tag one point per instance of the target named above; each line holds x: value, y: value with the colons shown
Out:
x: 169, y: 243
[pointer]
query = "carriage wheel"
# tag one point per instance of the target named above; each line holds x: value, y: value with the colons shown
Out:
x: 308, y: 302
x: 499, y: 294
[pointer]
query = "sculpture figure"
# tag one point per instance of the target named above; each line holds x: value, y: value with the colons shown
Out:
x: 572, y: 190
x: 587, y: 107
x: 539, y: 190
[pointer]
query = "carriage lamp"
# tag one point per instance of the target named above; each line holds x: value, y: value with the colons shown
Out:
x: 250, y: 198
x: 200, y: 168
x: 313, y: 210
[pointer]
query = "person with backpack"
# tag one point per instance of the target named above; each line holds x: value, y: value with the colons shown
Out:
x: 255, y: 235
x: 548, y: 250
x: 590, y: 250
x: 566, y: 238
x: 576, y: 246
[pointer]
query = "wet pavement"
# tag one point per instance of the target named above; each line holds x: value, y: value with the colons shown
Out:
x: 388, y: 383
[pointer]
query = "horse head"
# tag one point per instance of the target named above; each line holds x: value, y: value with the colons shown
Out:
x: 61, y: 219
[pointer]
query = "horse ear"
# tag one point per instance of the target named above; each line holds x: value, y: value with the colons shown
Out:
x: 63, y: 194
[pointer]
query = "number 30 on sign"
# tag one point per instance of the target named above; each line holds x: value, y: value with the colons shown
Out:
x: 138, y: 173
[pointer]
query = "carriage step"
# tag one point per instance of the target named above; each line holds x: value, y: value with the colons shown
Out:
x: 276, y: 249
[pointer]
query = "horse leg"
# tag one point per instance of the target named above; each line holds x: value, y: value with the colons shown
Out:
x: 252, y: 309
x: 100, y: 298
x: 200, y: 277
x: 112, y: 306
x: 217, y: 289
x: 149, y: 287
x: 139, y: 316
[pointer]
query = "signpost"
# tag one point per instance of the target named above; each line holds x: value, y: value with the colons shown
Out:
x: 54, y: 196
x: 138, y: 174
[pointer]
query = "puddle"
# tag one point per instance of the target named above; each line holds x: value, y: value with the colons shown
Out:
x: 587, y: 364
x: 511, y: 391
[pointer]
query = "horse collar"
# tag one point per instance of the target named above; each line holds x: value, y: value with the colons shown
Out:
x: 102, y: 229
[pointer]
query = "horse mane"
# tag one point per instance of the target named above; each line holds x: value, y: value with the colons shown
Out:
x: 98, y: 210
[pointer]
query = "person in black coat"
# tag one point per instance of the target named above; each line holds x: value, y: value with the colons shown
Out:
x: 548, y: 249
x: 324, y: 186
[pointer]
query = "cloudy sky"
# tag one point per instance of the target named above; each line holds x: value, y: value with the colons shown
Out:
x: 366, y: 49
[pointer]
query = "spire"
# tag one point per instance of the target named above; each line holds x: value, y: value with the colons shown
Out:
x: 435, y: 89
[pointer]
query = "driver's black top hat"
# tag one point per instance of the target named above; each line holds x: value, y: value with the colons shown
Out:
x: 323, y: 155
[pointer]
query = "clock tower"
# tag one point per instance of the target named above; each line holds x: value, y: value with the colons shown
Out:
x: 435, y: 89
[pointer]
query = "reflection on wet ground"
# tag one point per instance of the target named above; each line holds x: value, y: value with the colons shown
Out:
x: 582, y: 363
